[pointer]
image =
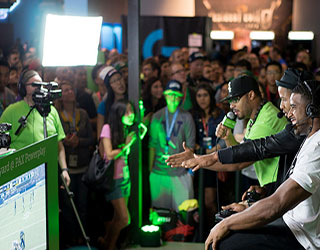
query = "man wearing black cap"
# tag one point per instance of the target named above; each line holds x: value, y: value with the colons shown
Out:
x: 246, y: 102
x: 170, y: 126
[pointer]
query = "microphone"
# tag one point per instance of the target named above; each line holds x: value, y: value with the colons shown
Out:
x: 229, y: 120
x: 280, y: 114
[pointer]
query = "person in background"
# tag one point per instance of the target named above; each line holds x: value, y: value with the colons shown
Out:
x: 178, y: 73
x: 116, y: 140
x: 217, y: 73
x: 150, y: 68
x: 14, y: 58
x: 116, y: 89
x: 7, y: 96
x: 253, y: 59
x: 275, y: 55
x: 78, y: 138
x: 165, y: 70
x: 13, y: 80
x: 228, y: 72
x: 122, y: 67
x: 83, y: 98
x: 170, y: 126
x: 177, y: 57
x: 207, y: 116
x: 262, y: 79
x: 153, y: 99
x: 303, y: 56
x: 273, y: 74
x: 242, y: 67
x: 102, y: 90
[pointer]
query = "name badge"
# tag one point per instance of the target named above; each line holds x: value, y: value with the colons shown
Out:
x: 73, y: 160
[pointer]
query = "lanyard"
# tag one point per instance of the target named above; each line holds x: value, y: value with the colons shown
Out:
x: 170, y: 129
x: 73, y: 119
x: 205, y: 127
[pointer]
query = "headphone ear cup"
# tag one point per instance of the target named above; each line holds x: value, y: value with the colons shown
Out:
x: 312, y: 111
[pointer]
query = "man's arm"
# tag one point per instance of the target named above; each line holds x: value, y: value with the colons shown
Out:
x: 287, y: 196
x: 62, y: 162
x: 284, y: 142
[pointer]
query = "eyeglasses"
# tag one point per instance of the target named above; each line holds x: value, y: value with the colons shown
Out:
x: 116, y: 80
x: 178, y: 71
x: 235, y: 99
x: 272, y: 72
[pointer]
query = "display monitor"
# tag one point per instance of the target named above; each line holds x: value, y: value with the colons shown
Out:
x: 29, y: 197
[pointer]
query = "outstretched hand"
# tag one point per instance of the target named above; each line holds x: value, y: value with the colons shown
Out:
x: 203, y: 161
x: 177, y: 159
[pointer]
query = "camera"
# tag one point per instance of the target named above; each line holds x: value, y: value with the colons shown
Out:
x: 44, y: 96
x: 5, y: 139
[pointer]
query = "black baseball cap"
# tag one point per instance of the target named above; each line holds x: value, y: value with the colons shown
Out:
x: 196, y: 56
x: 240, y: 86
x: 174, y: 87
x: 292, y: 77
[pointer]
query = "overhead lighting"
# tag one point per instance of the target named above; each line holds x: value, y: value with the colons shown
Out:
x: 261, y: 35
x: 222, y: 35
x: 300, y: 35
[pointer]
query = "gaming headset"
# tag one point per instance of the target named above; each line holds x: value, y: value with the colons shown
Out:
x: 22, y: 82
x: 21, y: 86
x: 312, y: 110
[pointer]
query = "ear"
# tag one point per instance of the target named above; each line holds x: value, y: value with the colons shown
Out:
x: 251, y: 95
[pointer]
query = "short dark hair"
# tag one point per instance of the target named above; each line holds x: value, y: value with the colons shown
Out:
x: 314, y: 95
x: 244, y: 63
x: 275, y: 63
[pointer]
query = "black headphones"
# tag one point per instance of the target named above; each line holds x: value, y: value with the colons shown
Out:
x: 21, y: 86
x: 312, y: 110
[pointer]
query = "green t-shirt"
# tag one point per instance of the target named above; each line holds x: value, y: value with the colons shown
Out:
x: 267, y: 123
x: 33, y: 131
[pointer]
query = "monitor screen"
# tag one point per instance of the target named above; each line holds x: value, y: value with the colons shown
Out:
x: 23, y: 211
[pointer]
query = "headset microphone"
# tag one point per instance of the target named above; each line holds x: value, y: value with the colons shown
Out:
x: 300, y: 122
x: 280, y: 114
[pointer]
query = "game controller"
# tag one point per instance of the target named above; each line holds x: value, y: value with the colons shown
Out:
x: 223, y: 214
x: 253, y: 196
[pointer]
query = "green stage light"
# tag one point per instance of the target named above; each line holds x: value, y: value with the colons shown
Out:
x: 150, y: 236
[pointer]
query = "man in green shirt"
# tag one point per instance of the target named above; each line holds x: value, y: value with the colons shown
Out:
x: 33, y: 131
x: 246, y: 102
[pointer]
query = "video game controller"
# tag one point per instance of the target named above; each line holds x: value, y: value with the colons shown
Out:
x: 223, y: 214
x: 253, y: 196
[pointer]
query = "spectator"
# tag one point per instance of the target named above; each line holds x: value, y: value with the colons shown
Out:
x: 170, y: 126
x: 275, y: 55
x: 79, y: 137
x: 117, y: 140
x: 7, y: 96
x: 116, y: 89
x: 273, y: 74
